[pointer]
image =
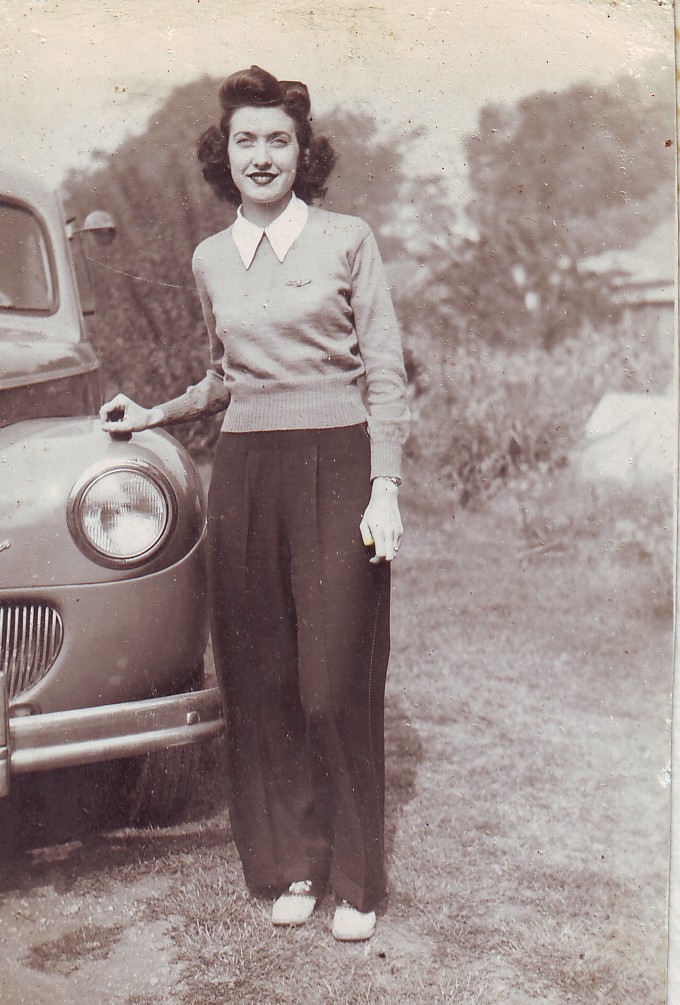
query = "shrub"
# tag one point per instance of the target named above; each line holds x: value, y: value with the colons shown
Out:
x: 487, y: 414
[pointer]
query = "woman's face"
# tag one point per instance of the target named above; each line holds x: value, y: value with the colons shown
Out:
x: 263, y: 156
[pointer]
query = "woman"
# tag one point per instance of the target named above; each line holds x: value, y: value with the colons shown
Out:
x: 298, y: 315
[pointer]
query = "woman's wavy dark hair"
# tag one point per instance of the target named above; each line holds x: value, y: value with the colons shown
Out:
x: 256, y: 88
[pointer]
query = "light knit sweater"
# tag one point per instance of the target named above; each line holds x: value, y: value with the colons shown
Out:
x: 309, y: 342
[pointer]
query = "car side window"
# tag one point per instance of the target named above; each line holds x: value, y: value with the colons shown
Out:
x: 25, y: 274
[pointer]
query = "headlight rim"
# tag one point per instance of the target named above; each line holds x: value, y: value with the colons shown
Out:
x: 89, y: 478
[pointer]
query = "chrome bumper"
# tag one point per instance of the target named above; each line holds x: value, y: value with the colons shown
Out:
x: 85, y: 735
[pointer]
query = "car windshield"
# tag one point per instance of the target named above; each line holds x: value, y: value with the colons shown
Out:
x: 25, y: 273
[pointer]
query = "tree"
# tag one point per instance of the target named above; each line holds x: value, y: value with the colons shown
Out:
x: 556, y: 179
x: 149, y: 327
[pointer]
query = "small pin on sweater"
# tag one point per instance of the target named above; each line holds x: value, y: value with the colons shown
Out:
x: 298, y: 282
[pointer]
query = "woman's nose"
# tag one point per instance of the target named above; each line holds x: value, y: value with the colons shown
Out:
x: 261, y: 155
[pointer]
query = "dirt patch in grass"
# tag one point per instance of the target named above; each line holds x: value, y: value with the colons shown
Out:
x: 66, y: 953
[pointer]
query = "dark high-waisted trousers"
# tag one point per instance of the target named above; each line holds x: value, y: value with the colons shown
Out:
x: 300, y: 630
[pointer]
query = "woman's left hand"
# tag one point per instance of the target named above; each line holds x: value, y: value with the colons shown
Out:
x: 381, y: 523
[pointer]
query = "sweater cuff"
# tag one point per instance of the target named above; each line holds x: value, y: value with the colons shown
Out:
x: 172, y: 411
x: 385, y: 458
x: 199, y: 400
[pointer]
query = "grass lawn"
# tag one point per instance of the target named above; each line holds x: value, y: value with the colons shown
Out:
x: 528, y: 742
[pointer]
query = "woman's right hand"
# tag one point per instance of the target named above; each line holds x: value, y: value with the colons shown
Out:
x: 123, y: 415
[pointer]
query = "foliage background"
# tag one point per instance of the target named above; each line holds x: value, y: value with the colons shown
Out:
x: 512, y: 332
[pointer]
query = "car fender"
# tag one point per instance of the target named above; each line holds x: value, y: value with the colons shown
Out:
x: 42, y: 460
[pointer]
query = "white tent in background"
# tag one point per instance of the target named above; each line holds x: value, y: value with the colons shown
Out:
x: 631, y: 440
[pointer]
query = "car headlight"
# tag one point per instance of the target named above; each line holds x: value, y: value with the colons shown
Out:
x: 120, y: 516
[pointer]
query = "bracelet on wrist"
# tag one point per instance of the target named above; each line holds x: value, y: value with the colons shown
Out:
x: 395, y: 479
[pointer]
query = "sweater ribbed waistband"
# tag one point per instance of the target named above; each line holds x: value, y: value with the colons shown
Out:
x: 320, y: 407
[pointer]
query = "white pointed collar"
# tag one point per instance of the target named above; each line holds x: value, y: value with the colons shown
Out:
x: 281, y: 232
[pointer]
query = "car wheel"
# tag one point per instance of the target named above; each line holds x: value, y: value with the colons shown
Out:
x: 151, y: 790
x: 160, y: 783
x: 164, y: 782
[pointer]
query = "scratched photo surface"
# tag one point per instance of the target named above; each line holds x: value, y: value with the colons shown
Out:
x: 516, y: 162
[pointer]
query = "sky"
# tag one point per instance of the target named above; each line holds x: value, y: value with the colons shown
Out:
x: 79, y: 75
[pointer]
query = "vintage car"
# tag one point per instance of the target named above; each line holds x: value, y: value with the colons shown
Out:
x: 103, y: 622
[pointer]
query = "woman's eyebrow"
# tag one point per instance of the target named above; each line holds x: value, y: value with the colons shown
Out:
x: 270, y: 136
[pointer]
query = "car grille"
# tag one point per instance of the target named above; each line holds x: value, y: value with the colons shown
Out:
x: 30, y: 639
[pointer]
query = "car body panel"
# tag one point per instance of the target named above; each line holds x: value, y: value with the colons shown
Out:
x: 122, y: 644
x: 40, y: 462
x: 29, y: 358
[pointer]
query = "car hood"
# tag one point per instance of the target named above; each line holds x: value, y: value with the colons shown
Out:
x: 36, y: 354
